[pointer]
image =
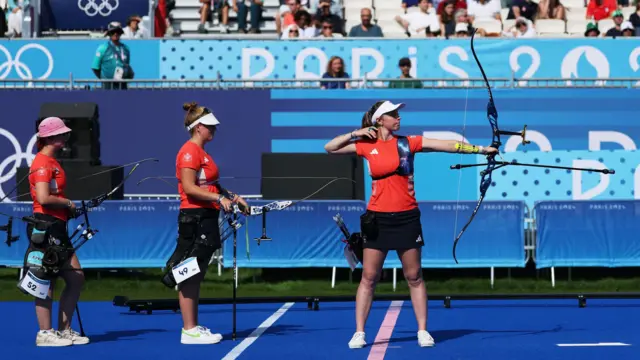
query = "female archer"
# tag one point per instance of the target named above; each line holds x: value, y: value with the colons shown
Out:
x: 392, y: 219
x: 47, y: 182
x: 201, y: 199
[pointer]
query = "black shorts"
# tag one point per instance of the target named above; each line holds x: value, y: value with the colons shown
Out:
x: 208, y: 226
x: 397, y: 231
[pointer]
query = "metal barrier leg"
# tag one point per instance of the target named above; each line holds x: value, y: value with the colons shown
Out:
x: 333, y: 278
x: 395, y: 277
x: 492, y: 276
x: 553, y: 277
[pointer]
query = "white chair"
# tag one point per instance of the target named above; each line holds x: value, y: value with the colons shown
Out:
x: 605, y: 24
x: 507, y: 23
x: 388, y: 15
x: 391, y: 27
x: 490, y: 26
x: 549, y: 26
x: 573, y: 3
x: 358, y: 4
x: 576, y: 26
x: 504, y: 12
x: 576, y: 13
x: 352, y: 14
x: 627, y: 11
x: 387, y: 5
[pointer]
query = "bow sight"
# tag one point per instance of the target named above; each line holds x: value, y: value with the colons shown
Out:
x: 8, y: 228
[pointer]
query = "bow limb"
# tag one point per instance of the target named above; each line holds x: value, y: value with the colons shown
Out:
x: 492, y: 117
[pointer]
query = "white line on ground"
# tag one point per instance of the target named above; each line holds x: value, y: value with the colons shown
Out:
x: 236, y: 351
x: 386, y: 329
x: 596, y: 344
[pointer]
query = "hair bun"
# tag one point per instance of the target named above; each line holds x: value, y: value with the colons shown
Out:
x: 190, y: 106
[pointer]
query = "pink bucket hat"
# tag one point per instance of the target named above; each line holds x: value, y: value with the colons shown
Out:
x: 52, y: 126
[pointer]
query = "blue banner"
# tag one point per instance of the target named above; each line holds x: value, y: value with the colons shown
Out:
x: 435, y: 59
x: 89, y: 14
x: 62, y: 59
x: 303, y: 235
x: 587, y: 233
x: 236, y: 59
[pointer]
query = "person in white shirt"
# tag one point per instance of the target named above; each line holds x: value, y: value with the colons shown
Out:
x: 420, y: 23
x: 484, y: 10
x: 134, y: 30
x: 523, y: 28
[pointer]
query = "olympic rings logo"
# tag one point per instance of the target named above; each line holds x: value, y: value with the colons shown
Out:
x: 92, y: 8
x: 21, y: 68
x: 16, y: 159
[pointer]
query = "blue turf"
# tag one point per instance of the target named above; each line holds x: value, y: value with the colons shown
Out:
x: 469, y: 330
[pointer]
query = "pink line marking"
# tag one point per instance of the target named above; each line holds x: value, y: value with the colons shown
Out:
x: 386, y: 329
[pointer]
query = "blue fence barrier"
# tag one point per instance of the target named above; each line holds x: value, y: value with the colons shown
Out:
x: 234, y: 59
x: 143, y: 233
x: 590, y: 233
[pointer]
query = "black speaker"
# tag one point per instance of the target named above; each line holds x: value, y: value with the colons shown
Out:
x: 306, y: 173
x: 81, y: 189
x: 83, y: 119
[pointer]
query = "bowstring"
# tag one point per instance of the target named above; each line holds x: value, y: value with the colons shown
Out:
x: 464, y: 126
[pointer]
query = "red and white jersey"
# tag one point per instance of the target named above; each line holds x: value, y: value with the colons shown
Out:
x: 194, y: 157
x: 47, y: 169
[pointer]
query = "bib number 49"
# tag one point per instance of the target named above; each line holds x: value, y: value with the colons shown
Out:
x: 186, y: 269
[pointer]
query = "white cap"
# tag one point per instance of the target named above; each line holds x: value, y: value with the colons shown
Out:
x: 208, y: 119
x: 386, y: 107
x: 462, y: 27
x: 626, y: 25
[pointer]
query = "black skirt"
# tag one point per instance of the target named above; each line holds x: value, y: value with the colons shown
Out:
x: 397, y: 231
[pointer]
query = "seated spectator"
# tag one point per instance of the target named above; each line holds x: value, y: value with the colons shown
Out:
x: 133, y: 30
x: 366, y: 28
x: 409, y: 3
x: 462, y: 30
x: 484, y: 10
x: 335, y: 70
x: 447, y: 19
x: 635, y: 18
x: 600, y: 9
x: 255, y: 8
x: 336, y: 8
x: 462, y: 18
x: 616, y: 30
x: 206, y: 14
x: 326, y: 30
x: 523, y: 28
x: 15, y: 17
x: 303, y: 20
x: 420, y: 23
x: 522, y: 8
x: 457, y: 4
x: 291, y: 32
x: 324, y: 14
x: 627, y: 29
x: 405, y: 73
x: 285, y: 15
x: 550, y: 9
x: 3, y: 18
x: 592, y: 30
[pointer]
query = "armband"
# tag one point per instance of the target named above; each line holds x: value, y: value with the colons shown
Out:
x: 467, y: 148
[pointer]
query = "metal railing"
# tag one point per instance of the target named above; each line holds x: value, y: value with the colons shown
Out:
x: 364, y: 83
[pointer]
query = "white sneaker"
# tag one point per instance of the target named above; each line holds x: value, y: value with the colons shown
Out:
x: 199, y: 335
x: 357, y: 341
x: 51, y: 338
x: 75, y: 337
x: 425, y: 339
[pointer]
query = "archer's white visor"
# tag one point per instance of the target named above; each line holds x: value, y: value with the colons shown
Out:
x: 208, y: 119
x: 386, y: 107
